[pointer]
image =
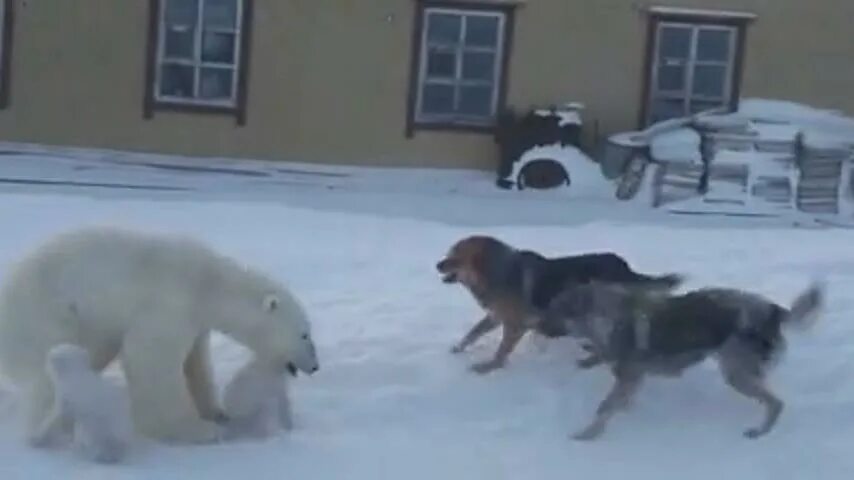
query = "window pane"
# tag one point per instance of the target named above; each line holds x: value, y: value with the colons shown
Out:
x: 218, y: 47
x: 176, y: 81
x: 665, y: 109
x: 674, y: 42
x: 220, y: 13
x: 671, y: 78
x: 482, y: 31
x: 179, y: 43
x: 476, y: 101
x: 441, y: 64
x: 182, y: 12
x: 443, y: 28
x: 215, y: 83
x: 713, y: 45
x: 437, y: 99
x: 478, y: 66
x: 709, y: 80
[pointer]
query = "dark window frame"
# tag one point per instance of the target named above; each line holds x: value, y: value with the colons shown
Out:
x: 508, y: 10
x: 738, y: 22
x: 6, y: 39
x: 152, y: 104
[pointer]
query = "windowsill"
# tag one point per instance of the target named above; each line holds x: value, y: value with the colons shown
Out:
x: 453, y: 127
x: 487, y: 3
x: 189, y: 107
x: 702, y: 14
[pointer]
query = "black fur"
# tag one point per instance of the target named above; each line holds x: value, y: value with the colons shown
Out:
x: 549, y: 276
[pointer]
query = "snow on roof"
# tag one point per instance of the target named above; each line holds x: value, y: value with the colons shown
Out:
x: 821, y: 128
x: 702, y: 12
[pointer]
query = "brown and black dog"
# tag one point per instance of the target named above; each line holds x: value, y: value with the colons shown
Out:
x: 514, y: 286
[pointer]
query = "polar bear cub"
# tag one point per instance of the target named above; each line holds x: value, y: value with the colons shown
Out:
x: 256, y: 402
x: 96, y: 410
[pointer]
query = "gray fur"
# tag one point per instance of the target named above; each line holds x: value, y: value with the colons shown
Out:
x: 638, y: 332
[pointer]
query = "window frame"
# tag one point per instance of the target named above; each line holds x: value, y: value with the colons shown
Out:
x: 416, y: 120
x: 735, y: 23
x: 7, y: 22
x: 236, y: 105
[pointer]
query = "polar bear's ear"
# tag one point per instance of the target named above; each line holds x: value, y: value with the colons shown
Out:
x: 271, y: 303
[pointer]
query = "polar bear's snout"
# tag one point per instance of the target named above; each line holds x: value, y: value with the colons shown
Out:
x: 307, y: 360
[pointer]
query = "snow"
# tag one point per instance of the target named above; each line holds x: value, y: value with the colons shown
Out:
x: 568, y: 114
x: 587, y: 180
x: 681, y: 145
x: 821, y: 128
x: 629, y: 139
x: 701, y: 12
x: 764, y: 134
x: 390, y: 401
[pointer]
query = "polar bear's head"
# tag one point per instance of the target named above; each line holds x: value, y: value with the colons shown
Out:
x: 282, y: 334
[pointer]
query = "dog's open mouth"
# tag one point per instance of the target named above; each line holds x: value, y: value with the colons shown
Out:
x: 292, y: 369
x: 450, y: 277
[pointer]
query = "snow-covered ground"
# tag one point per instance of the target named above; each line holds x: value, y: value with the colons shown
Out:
x: 390, y: 401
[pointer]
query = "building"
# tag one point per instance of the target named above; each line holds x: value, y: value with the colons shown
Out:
x: 395, y: 82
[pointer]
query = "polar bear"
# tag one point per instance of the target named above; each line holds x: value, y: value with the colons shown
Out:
x: 95, y: 411
x: 256, y: 402
x: 151, y: 300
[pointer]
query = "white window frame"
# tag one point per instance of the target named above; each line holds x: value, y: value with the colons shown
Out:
x: 458, y: 81
x: 196, y: 62
x: 687, y: 96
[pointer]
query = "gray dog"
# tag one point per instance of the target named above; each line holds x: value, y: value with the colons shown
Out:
x: 638, y: 333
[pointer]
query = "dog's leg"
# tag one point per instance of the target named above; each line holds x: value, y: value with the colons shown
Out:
x: 509, y: 339
x: 742, y: 370
x: 627, y: 382
x: 753, y: 386
x: 481, y: 328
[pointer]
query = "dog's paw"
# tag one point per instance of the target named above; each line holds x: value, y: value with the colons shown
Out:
x: 457, y: 349
x: 754, y: 433
x: 588, y: 362
x: 220, y: 418
x: 590, y: 433
x: 485, y: 367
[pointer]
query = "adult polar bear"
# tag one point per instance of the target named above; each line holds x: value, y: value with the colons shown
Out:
x: 152, y: 301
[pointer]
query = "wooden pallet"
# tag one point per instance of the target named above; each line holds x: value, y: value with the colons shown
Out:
x: 776, y: 190
x: 818, y: 187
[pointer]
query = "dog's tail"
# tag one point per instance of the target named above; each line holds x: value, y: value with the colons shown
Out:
x: 664, y: 282
x: 804, y: 310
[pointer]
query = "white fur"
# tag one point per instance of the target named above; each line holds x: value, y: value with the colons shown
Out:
x: 96, y: 411
x: 256, y: 402
x: 152, y: 300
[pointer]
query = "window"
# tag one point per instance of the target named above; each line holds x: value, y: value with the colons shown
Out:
x: 6, y: 22
x: 199, y: 53
x: 695, y: 66
x: 461, y: 60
